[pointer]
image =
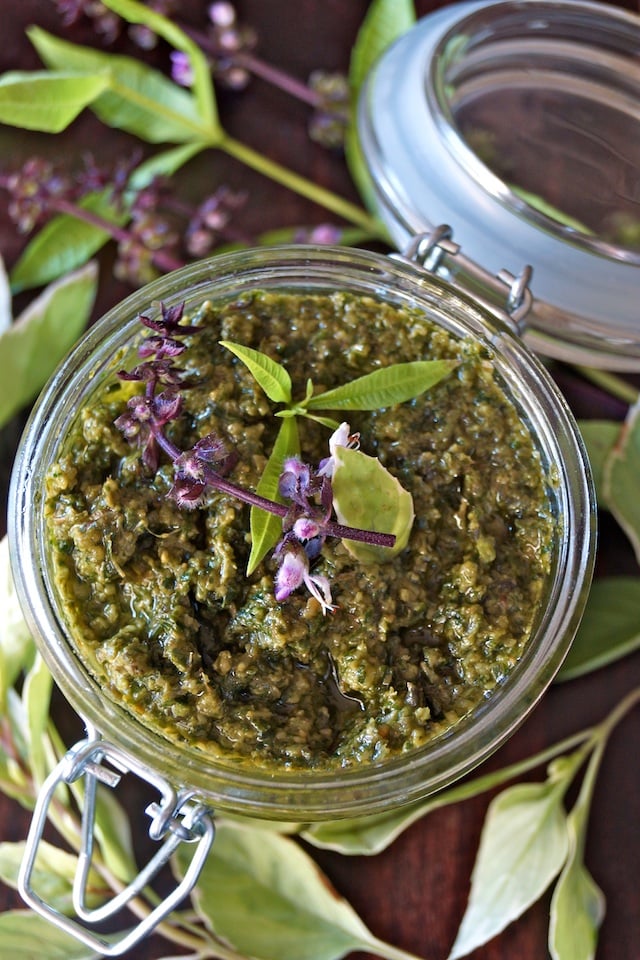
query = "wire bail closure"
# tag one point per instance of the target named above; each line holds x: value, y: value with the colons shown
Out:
x: 506, y: 296
x: 176, y: 818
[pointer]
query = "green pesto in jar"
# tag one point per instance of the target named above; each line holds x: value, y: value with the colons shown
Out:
x: 157, y: 600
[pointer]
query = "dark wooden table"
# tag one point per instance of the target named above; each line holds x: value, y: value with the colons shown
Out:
x: 414, y: 894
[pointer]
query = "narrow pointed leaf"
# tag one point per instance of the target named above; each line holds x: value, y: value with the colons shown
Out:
x: 36, y: 696
x: 135, y: 12
x: 523, y: 847
x: 385, y: 387
x: 266, y: 528
x: 26, y: 936
x: 44, y: 101
x: 272, y: 377
x: 620, y: 478
x: 610, y: 627
x: 577, y: 905
x: 138, y: 98
x: 600, y: 437
x: 64, y: 244
x: 163, y: 164
x: 17, y: 649
x: 263, y: 894
x: 367, y: 496
x: 38, y: 340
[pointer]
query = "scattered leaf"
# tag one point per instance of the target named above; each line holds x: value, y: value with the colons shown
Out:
x: 272, y: 377
x: 396, y: 383
x: 610, y: 627
x: 26, y: 936
x: 17, y: 648
x: 53, y: 875
x: 600, y: 437
x: 32, y: 348
x: 523, y: 846
x: 263, y: 894
x: 45, y: 101
x: 577, y: 905
x: 620, y: 478
x: 137, y: 98
x: 367, y: 496
x: 5, y: 299
x: 36, y: 697
x: 266, y: 528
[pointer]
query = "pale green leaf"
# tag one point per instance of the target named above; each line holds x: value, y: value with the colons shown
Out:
x: 384, y: 387
x: 367, y: 496
x: 5, y: 298
x: 600, y: 437
x: 523, y: 847
x: 53, y: 875
x: 610, y: 627
x: 18, y: 725
x: 163, y: 164
x: 36, y: 696
x: 577, y: 904
x: 263, y: 894
x: 43, y: 334
x: 266, y: 528
x: 112, y: 829
x: 47, y: 101
x: 138, y: 99
x: 386, y: 20
x: 17, y: 649
x: 26, y: 936
x: 271, y: 376
x: 64, y: 244
x: 620, y: 478
x: 202, y: 87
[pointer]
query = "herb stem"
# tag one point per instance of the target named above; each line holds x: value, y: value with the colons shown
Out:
x: 300, y: 185
x: 218, y: 482
x: 611, y: 383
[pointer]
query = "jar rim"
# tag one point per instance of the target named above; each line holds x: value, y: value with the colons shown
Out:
x: 425, y: 173
x: 356, y: 791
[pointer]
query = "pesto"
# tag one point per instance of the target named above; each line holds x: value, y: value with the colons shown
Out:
x: 157, y: 598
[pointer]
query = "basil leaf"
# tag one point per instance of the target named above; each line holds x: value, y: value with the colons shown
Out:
x: 139, y: 99
x: 272, y: 377
x: 17, y: 648
x: 367, y: 496
x: 25, y: 935
x: 620, y: 478
x: 163, y: 164
x: 169, y: 31
x: 53, y: 875
x: 600, y: 436
x: 385, y: 387
x: 523, y: 846
x: 44, y: 101
x: 610, y: 627
x: 36, y: 697
x: 386, y: 20
x: 263, y: 894
x: 266, y: 528
x: 577, y: 905
x: 64, y: 244
x: 5, y: 299
x: 31, y: 349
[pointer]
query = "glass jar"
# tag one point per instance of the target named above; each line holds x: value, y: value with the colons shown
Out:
x: 518, y: 125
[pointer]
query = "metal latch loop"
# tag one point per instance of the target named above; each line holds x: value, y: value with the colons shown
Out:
x: 175, y: 818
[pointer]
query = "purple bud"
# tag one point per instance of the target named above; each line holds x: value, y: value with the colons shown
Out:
x: 305, y: 528
x: 181, y: 69
x: 188, y: 493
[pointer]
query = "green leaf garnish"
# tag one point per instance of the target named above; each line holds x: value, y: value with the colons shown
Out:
x: 620, y: 478
x: 46, y: 101
x: 272, y: 376
x: 396, y: 383
x: 266, y: 529
x: 367, y: 496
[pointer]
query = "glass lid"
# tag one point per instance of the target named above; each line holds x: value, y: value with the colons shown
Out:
x: 517, y: 125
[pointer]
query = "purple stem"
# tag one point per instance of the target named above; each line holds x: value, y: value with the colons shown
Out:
x: 279, y: 509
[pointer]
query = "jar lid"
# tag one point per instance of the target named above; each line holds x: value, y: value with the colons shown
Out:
x: 517, y: 125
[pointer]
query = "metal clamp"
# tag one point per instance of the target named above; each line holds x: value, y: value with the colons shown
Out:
x: 437, y: 253
x: 175, y: 818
